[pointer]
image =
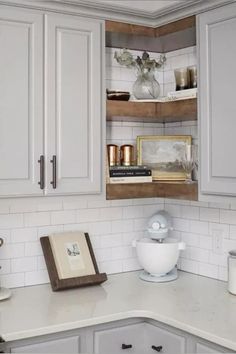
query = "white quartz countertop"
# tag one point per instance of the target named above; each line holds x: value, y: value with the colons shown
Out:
x: 198, y: 305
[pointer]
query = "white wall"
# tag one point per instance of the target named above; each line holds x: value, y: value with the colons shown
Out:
x: 113, y: 225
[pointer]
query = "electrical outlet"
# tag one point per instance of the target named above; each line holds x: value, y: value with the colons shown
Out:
x: 217, y: 241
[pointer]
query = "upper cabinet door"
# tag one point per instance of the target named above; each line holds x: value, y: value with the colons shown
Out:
x: 217, y: 48
x: 74, y: 94
x: 21, y: 101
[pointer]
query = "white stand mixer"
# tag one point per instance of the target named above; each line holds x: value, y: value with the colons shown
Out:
x: 158, y: 254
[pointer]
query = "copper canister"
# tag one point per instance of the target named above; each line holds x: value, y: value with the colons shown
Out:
x: 113, y: 154
x: 126, y: 155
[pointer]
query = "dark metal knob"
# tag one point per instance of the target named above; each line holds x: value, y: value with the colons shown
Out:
x: 126, y: 346
x: 157, y: 349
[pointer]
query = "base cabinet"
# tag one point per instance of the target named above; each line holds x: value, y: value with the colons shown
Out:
x: 133, y: 336
x: 139, y: 338
x: 62, y: 346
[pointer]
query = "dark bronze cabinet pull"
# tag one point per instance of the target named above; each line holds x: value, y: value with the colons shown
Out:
x: 157, y: 349
x: 41, y: 162
x: 54, y: 172
x: 126, y: 346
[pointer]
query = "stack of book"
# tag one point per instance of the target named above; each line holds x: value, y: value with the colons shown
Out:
x: 130, y: 174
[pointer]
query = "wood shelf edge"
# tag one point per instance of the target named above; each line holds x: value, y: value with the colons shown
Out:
x: 162, y: 112
x: 173, y: 190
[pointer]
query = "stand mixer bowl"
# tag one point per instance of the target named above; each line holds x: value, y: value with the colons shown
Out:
x: 158, y: 258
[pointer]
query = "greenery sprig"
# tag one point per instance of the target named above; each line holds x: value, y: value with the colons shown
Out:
x: 143, y: 63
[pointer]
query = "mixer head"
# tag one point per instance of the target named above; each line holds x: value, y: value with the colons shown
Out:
x: 159, y: 226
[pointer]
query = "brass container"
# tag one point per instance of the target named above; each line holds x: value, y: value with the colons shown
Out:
x: 113, y: 154
x: 192, y: 76
x: 181, y: 78
x: 126, y: 155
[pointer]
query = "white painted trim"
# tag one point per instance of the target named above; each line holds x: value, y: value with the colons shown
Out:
x: 116, y: 13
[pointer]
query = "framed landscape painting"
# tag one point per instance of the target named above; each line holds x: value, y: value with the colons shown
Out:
x: 163, y: 154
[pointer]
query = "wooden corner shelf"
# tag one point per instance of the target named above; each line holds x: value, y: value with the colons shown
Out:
x: 175, y: 190
x: 172, y: 36
x: 162, y: 112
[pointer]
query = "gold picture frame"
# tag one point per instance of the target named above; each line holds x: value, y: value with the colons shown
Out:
x: 162, y: 154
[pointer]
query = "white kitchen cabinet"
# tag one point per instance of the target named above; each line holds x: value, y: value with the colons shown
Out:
x: 73, y: 105
x: 21, y: 101
x: 217, y: 57
x: 125, y: 339
x: 64, y: 345
x: 51, y: 103
x: 141, y: 338
x: 164, y: 341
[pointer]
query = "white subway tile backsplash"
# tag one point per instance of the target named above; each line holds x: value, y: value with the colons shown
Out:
x: 25, y: 264
x: 113, y: 240
x: 5, y: 267
x: 228, y: 216
x: 101, y: 227
x: 14, y: 250
x: 218, y: 259
x: 114, y: 213
x: 122, y: 252
x: 208, y: 270
x: 48, y: 205
x: 189, y: 212
x: 229, y: 245
x: 33, y: 249
x: 132, y: 212
x: 122, y: 226
x: 37, y: 219
x: 10, y: 221
x: 111, y: 267
x: 181, y: 224
x: 74, y: 203
x: 48, y: 230
x: 85, y: 215
x: 103, y: 254
x: 223, y: 273
x: 63, y: 217
x: 130, y: 264
x: 37, y: 277
x: 224, y: 228
x: 24, y: 235
x: 199, y: 227
x: 190, y: 239
x: 140, y: 224
x: 5, y: 235
x: 197, y: 254
x: 13, y: 280
x: 189, y: 265
x: 210, y: 214
x: 205, y: 242
x: 41, y: 263
x: 173, y: 209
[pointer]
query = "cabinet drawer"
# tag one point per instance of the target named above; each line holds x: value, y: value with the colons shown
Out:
x: 64, y: 345
x: 142, y: 338
x: 169, y: 342
x: 110, y: 341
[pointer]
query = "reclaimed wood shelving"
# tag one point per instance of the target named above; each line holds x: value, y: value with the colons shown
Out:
x: 172, y: 36
x: 162, y: 112
x: 175, y: 190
